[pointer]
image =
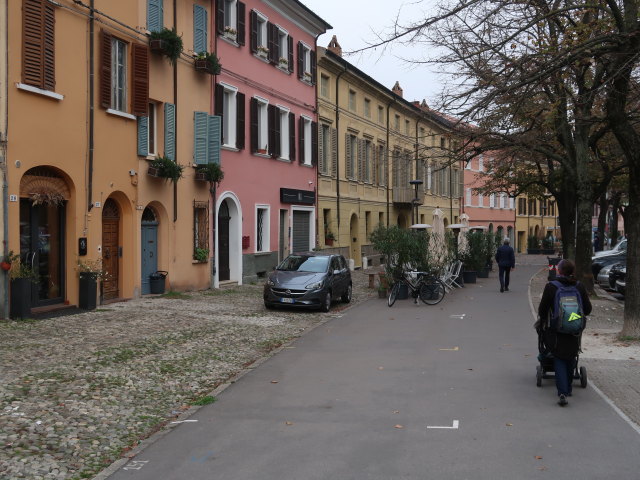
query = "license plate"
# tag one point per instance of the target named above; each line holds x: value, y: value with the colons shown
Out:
x: 286, y: 300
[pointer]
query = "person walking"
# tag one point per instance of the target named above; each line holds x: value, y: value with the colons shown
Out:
x: 563, y: 346
x: 506, y: 260
x: 596, y: 242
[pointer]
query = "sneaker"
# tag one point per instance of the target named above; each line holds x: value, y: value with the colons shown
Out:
x: 563, y: 401
x: 501, y: 289
x: 506, y: 289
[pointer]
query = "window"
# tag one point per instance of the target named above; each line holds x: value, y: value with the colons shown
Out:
x: 280, y: 45
x: 306, y: 63
x: 324, y: 86
x: 481, y: 163
x: 481, y: 200
x: 262, y: 228
x: 38, y: 44
x: 503, y: 198
x: 407, y: 127
x: 442, y: 142
x: 367, y: 108
x: 422, y: 135
x: 512, y: 203
x: 380, y: 114
x: 206, y: 134
x: 522, y: 206
x: 230, y: 104
x: 368, y: 161
x: 307, y: 140
x: 351, y: 156
x: 468, y: 201
x: 200, y: 231
x: 429, y: 177
x: 352, y: 101
x: 397, y: 123
x: 325, y: 150
x: 492, y: 200
x: 283, y: 118
x: 259, y: 125
x: 199, y: 29
x: 532, y: 207
x: 259, y: 36
x: 118, y: 75
x: 230, y: 20
x: 155, y: 14
x: 381, y: 165
x: 467, y: 165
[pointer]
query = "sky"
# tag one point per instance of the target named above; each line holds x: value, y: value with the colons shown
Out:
x: 357, y: 22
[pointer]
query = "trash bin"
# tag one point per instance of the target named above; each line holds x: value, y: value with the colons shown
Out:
x: 156, y: 281
x: 553, y: 267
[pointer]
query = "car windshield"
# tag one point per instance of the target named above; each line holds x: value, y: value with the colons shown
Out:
x: 622, y: 246
x: 304, y: 263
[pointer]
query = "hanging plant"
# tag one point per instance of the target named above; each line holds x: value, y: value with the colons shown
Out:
x: 208, y: 62
x: 164, y: 167
x: 46, y: 198
x: 211, y: 172
x: 167, y: 42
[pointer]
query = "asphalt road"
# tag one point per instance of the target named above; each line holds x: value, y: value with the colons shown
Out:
x: 359, y: 397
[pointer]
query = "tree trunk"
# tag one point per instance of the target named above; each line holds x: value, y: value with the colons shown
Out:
x: 602, y: 219
x: 567, y: 221
x: 585, y: 208
x: 613, y: 226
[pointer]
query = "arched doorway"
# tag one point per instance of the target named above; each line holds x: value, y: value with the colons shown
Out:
x: 43, y: 198
x: 224, y: 220
x: 354, y: 251
x: 149, y: 247
x: 110, y: 248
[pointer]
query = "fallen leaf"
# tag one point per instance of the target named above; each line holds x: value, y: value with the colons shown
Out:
x: 399, y: 426
x: 470, y: 369
x: 288, y: 423
x: 396, y: 411
x: 538, y: 457
x: 274, y: 381
x: 509, y: 424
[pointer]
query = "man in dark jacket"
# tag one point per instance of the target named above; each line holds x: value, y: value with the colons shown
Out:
x: 506, y: 260
x: 563, y: 346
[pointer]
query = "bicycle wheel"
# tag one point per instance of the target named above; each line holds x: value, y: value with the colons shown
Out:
x: 432, y: 291
x: 393, y: 294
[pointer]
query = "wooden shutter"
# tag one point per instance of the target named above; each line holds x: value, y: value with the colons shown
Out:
x: 199, y: 29
x: 213, y: 137
x: 240, y: 121
x: 105, y: 70
x: 220, y: 16
x: 312, y: 56
x: 155, y: 14
x: 314, y: 143
x: 32, y: 43
x: 272, y: 41
x: 219, y: 100
x: 361, y: 167
x: 253, y: 120
x: 200, y: 137
x: 242, y: 21
x: 253, y: 26
x: 334, y: 152
x: 140, y: 90
x: 347, y: 156
x: 301, y: 139
x: 300, y: 60
x: 170, y: 131
x: 292, y: 136
x: 143, y: 136
x: 272, y: 117
x: 290, y: 52
x: 49, y: 66
x: 320, y: 150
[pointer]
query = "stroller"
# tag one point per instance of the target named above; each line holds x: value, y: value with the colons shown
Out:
x: 545, y: 359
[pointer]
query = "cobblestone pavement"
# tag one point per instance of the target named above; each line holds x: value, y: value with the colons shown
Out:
x: 77, y: 392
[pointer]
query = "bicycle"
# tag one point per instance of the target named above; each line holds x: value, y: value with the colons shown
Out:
x: 427, y: 287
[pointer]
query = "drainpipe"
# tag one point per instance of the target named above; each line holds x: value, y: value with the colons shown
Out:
x: 91, y: 102
x: 417, y: 169
x: 213, y: 186
x: 175, y: 102
x: 4, y: 312
x: 338, y: 146
x: 388, y: 156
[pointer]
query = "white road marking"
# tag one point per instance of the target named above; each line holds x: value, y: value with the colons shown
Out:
x: 185, y: 421
x: 454, y: 349
x: 455, y: 426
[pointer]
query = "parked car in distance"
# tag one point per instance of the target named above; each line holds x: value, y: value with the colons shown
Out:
x: 597, y: 263
x: 615, y: 272
x: 620, y: 247
x: 603, y: 277
x: 309, y: 280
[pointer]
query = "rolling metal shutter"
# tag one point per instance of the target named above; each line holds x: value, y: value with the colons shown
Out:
x: 301, y: 232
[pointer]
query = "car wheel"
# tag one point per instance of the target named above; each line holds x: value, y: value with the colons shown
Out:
x: 326, y: 302
x: 346, y: 297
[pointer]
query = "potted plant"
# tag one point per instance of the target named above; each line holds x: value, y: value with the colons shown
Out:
x: 230, y: 32
x: 164, y: 167
x: 262, y: 51
x: 329, y: 238
x: 90, y: 271
x: 207, y: 62
x: 211, y: 172
x: 5, y: 264
x: 307, y: 76
x: 262, y: 151
x: 283, y: 62
x: 201, y: 255
x: 474, y: 257
x: 22, y: 276
x: 166, y: 42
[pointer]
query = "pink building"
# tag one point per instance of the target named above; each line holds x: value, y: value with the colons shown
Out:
x: 265, y: 206
x: 496, y: 211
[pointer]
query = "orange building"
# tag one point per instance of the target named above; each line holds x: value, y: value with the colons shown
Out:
x: 89, y: 106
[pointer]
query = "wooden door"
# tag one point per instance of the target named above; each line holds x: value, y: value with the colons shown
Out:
x: 223, y: 242
x: 110, y: 248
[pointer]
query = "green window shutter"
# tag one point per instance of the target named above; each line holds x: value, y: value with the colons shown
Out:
x: 155, y: 19
x: 170, y: 131
x: 200, y: 141
x: 143, y: 136
x: 199, y: 29
x: 213, y: 136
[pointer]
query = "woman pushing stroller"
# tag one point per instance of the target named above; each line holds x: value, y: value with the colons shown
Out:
x: 561, y: 319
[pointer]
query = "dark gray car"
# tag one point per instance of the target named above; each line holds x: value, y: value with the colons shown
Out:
x: 309, y: 280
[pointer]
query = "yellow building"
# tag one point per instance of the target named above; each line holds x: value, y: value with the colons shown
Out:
x: 372, y: 143
x: 536, y: 219
x: 90, y: 105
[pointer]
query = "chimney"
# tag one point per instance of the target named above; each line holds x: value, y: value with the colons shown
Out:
x: 397, y: 89
x: 334, y: 46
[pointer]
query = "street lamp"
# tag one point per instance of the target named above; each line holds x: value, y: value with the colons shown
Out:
x: 416, y: 201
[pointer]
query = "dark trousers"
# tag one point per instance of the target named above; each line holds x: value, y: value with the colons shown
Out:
x: 503, y: 274
x: 564, y: 374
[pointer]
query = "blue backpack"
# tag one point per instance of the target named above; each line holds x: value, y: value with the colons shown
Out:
x: 568, y: 315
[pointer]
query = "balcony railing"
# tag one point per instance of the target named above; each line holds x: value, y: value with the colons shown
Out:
x: 406, y: 195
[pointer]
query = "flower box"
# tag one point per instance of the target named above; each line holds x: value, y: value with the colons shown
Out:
x: 262, y: 52
x: 201, y: 176
x: 153, y: 172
